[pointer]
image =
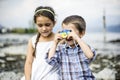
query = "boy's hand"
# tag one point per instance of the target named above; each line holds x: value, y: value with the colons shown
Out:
x: 74, y: 34
x: 57, y: 38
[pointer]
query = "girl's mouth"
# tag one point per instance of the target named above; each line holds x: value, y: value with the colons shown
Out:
x: 45, y: 32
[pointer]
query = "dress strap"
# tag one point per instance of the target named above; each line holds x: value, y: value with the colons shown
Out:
x: 34, y: 40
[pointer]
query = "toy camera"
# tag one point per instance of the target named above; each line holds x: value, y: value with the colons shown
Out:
x: 64, y: 33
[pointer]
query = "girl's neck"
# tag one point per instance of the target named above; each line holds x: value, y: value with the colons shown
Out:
x: 46, y: 39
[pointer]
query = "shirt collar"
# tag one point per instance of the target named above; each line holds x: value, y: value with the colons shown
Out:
x: 68, y: 46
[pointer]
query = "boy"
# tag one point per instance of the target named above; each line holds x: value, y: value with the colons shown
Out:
x: 73, y: 57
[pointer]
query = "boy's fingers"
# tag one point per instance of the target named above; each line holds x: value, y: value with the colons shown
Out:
x: 72, y: 28
x: 59, y: 30
x: 58, y: 36
x: 69, y: 36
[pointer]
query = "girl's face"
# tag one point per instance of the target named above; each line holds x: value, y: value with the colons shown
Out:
x: 44, y: 26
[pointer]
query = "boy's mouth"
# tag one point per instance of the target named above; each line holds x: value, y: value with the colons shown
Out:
x: 70, y: 39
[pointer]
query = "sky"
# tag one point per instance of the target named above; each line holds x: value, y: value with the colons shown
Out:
x: 19, y: 13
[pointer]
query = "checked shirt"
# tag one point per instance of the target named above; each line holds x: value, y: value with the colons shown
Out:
x: 72, y: 62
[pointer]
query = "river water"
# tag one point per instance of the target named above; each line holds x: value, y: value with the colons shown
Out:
x: 13, y: 49
x: 18, y: 43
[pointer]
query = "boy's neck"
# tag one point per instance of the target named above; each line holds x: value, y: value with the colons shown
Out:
x: 73, y: 46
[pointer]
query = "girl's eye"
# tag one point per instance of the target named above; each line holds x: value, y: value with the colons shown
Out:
x: 47, y: 24
x: 40, y: 25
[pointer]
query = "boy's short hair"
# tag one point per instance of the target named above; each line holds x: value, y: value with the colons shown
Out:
x: 77, y: 20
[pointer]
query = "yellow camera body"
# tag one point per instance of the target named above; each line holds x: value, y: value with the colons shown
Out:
x: 64, y: 33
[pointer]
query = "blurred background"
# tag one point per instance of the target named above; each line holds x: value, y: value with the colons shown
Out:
x: 103, y: 29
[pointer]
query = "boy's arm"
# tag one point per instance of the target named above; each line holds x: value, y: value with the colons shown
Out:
x: 53, y: 55
x: 86, y: 49
x: 52, y: 50
x: 54, y: 46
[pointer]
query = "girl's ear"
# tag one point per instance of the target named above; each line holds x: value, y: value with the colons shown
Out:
x: 54, y: 23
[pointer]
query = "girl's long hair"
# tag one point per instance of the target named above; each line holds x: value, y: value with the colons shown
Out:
x: 47, y: 12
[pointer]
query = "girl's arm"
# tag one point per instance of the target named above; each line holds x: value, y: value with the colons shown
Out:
x: 29, y: 61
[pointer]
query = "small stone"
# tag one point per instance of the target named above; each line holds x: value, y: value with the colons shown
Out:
x: 2, y: 61
x: 10, y: 59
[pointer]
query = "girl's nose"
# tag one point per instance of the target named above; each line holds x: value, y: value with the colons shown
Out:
x: 44, y: 28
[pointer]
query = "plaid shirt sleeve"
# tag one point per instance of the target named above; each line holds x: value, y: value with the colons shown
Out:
x: 94, y: 55
x: 55, y: 59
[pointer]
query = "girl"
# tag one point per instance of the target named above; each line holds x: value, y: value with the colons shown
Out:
x: 36, y: 67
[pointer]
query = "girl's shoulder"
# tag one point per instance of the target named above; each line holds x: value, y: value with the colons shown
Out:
x: 33, y: 39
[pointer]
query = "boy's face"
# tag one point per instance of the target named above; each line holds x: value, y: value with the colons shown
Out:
x: 70, y: 41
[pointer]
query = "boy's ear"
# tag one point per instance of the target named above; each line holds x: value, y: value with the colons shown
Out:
x: 82, y: 34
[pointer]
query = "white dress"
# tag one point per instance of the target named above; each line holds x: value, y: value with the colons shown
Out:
x: 41, y: 70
